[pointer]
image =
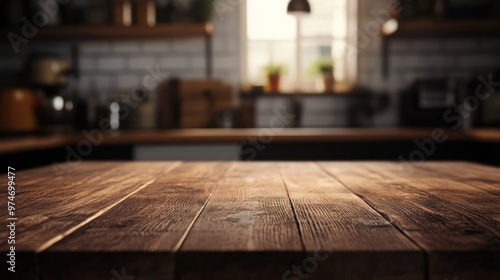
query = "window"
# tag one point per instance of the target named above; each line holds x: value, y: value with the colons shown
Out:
x: 272, y: 37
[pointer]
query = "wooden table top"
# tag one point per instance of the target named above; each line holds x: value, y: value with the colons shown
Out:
x: 256, y: 220
x: 289, y: 135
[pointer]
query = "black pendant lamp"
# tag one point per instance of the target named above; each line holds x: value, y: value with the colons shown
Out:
x: 299, y: 7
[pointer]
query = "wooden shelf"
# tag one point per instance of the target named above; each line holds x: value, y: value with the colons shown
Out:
x: 84, y: 32
x: 438, y: 28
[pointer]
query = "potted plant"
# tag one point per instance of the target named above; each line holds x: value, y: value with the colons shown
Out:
x: 273, y: 73
x: 202, y: 10
x: 324, y: 67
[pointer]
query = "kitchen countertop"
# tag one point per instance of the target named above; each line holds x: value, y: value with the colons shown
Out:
x: 240, y: 135
x: 257, y: 220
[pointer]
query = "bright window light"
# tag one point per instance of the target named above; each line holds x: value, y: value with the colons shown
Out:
x: 272, y: 35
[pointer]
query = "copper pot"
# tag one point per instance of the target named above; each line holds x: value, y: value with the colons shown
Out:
x: 17, y: 110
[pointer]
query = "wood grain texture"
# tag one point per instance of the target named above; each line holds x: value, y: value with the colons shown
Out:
x: 459, y: 242
x: 258, y: 220
x: 361, y: 244
x: 48, y: 209
x: 142, y: 233
x: 481, y: 176
x: 445, y: 181
x: 247, y: 229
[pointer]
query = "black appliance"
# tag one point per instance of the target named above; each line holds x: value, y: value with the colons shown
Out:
x: 428, y: 103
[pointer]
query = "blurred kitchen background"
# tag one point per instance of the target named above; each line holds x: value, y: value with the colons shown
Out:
x: 133, y: 68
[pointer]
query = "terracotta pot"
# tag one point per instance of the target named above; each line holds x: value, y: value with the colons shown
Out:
x: 329, y: 82
x: 17, y: 110
x: 274, y: 83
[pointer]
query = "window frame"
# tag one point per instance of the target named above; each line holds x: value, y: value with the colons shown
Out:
x: 351, y: 58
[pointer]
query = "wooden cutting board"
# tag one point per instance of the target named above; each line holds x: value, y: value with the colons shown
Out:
x: 196, y: 103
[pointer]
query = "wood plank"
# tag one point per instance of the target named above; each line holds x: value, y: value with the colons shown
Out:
x: 466, y: 172
x: 140, y: 234
x: 110, y: 32
x: 457, y: 242
x: 27, y: 182
x: 360, y: 242
x: 247, y: 229
x: 50, y: 210
x: 481, y: 176
x: 483, y: 208
x: 474, y: 200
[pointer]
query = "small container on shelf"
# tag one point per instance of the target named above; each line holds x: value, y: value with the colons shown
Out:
x: 122, y: 12
x: 146, y: 12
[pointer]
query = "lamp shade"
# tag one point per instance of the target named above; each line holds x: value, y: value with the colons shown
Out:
x: 299, y: 7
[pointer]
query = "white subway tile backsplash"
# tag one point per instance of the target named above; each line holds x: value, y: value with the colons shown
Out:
x: 226, y: 20
x: 220, y: 62
x: 107, y: 65
x: 225, y: 63
x: 478, y: 60
x: 175, y: 62
x: 199, y: 61
x: 189, y: 45
x: 87, y: 63
x: 370, y: 62
x: 221, y: 44
x: 91, y: 81
x: 461, y: 44
x: 110, y: 63
x: 229, y: 77
x: 192, y: 74
x: 427, y: 45
x: 94, y: 47
x: 156, y: 46
x: 410, y: 77
x: 400, y: 45
x: 125, y: 47
x: 128, y: 81
x: 412, y: 61
x: 141, y: 62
